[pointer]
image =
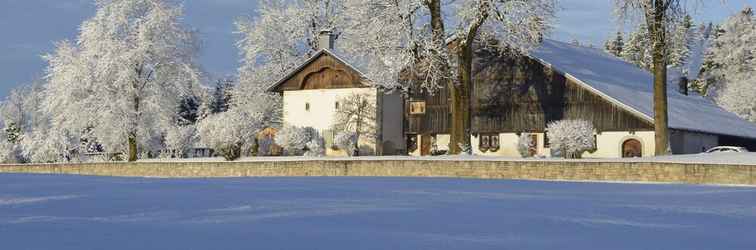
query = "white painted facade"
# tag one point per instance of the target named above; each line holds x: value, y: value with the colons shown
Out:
x: 317, y: 108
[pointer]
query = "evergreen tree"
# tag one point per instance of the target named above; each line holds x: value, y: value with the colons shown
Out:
x: 681, y: 44
x: 189, y: 111
x: 705, y: 78
x: 221, y: 97
x: 637, y: 49
x: 614, y: 46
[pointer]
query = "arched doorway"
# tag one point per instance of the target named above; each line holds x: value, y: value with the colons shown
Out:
x: 632, y: 148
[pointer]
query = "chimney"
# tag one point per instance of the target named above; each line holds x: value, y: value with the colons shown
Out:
x: 683, y: 85
x: 326, y: 40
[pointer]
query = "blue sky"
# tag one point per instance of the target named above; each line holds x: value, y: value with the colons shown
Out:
x: 29, y: 29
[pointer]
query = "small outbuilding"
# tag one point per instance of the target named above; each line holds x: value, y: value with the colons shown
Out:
x: 322, y: 87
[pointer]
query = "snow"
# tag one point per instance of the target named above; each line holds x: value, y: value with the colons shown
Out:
x: 713, y: 158
x: 631, y: 87
x: 76, y: 212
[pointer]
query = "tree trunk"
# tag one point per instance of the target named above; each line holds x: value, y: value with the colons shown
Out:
x: 133, y: 132
x: 658, y: 34
x: 132, y: 147
x: 458, y: 94
x: 460, y: 100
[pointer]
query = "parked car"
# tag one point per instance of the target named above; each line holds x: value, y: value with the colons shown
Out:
x: 723, y: 149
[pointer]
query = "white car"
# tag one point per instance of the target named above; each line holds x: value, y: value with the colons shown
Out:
x: 722, y: 149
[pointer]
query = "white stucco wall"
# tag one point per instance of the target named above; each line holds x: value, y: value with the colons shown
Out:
x: 610, y: 144
x: 322, y: 106
x: 323, y: 109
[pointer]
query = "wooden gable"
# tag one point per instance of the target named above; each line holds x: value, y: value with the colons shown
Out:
x: 323, y: 71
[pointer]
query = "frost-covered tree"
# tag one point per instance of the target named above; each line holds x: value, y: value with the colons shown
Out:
x: 357, y: 113
x: 132, y: 64
x: 316, y: 147
x: 615, y: 44
x: 733, y: 69
x: 636, y: 50
x: 682, y: 40
x: 656, y: 15
x: 293, y: 139
x: 571, y: 137
x: 179, y: 140
x: 230, y: 132
x: 346, y: 141
x: 418, y: 43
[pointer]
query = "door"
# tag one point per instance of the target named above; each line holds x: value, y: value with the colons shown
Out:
x: 631, y: 148
x: 426, y: 142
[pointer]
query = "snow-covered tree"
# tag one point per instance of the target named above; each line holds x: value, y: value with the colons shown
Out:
x: 230, y: 132
x: 615, y: 44
x: 357, y: 113
x: 132, y: 64
x: 316, y: 147
x: 656, y: 15
x: 179, y: 140
x: 571, y: 137
x: 346, y: 141
x: 682, y: 40
x: 417, y: 44
x: 733, y: 69
x: 636, y: 50
x: 293, y: 139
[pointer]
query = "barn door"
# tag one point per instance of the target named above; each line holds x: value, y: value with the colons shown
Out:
x: 631, y: 148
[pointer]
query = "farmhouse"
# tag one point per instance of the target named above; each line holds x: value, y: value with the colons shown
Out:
x: 316, y: 91
x: 512, y: 96
x: 517, y: 96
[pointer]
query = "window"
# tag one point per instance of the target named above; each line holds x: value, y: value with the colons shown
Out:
x: 307, y: 106
x: 546, y: 142
x: 417, y: 107
x: 488, y: 142
x: 337, y: 106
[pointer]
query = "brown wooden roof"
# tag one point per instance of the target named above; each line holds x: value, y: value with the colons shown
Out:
x: 324, y: 70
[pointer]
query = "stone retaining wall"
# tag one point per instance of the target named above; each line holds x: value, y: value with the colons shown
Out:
x: 523, y: 170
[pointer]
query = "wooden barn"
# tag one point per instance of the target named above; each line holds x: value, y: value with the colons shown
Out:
x: 514, y: 95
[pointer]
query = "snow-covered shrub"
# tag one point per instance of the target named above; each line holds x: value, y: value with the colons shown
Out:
x: 179, y: 140
x: 572, y: 137
x: 465, y: 149
x: 316, y: 147
x: 524, y: 144
x: 293, y: 139
x: 346, y: 141
x: 229, y: 132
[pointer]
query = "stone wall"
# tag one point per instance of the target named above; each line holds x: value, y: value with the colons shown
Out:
x: 523, y: 170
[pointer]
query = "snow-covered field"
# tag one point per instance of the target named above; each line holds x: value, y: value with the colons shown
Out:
x: 76, y: 212
x: 715, y: 158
